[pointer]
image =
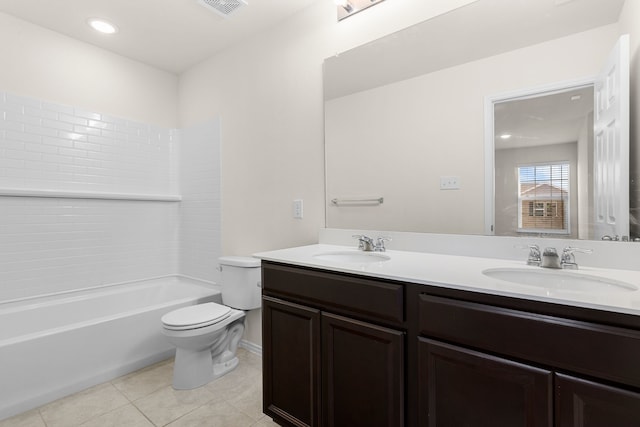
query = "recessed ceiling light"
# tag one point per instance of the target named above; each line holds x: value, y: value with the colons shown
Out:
x: 576, y: 97
x: 102, y: 26
x: 505, y: 136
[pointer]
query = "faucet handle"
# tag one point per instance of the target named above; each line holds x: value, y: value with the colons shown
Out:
x: 569, y: 260
x: 534, y: 253
x: 379, y: 245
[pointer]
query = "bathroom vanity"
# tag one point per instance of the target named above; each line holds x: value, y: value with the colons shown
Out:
x: 356, y: 343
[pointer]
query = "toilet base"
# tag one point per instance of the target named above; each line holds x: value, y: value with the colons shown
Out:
x: 192, y: 369
x: 219, y: 369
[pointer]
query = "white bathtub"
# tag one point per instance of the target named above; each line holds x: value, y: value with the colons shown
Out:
x: 56, y: 345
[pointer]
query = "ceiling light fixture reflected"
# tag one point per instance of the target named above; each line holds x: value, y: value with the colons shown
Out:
x: 348, y: 8
x: 102, y: 26
x: 505, y: 136
x: 344, y: 4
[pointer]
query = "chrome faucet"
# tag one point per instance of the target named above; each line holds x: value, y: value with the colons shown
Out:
x: 568, y: 260
x: 367, y: 244
x: 550, y: 258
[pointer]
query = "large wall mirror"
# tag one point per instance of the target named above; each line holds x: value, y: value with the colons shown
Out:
x: 406, y: 122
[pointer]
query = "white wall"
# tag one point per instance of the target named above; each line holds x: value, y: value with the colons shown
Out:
x: 46, y: 65
x: 268, y: 93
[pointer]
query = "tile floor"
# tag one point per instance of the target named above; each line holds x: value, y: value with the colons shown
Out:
x: 145, y: 398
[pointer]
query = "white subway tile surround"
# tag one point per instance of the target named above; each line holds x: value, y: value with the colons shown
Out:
x: 45, y: 145
x: 200, y: 213
x: 49, y: 245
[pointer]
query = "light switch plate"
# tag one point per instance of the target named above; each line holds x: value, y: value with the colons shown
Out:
x: 449, y: 183
x: 297, y: 209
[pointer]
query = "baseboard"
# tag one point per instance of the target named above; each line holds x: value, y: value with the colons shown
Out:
x: 251, y: 347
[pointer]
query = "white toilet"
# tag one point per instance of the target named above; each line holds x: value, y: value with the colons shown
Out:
x: 206, y: 336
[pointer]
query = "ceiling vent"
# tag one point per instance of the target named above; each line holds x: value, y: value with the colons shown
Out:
x: 223, y: 7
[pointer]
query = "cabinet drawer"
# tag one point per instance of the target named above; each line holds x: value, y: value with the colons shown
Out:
x: 355, y: 296
x: 592, y: 349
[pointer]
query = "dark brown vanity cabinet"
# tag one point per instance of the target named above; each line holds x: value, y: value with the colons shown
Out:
x: 483, y: 365
x: 334, y: 349
x: 347, y: 350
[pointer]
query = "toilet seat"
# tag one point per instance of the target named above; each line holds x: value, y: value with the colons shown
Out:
x: 195, y: 316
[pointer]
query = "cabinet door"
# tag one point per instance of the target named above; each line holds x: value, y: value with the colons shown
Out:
x: 291, y: 362
x: 363, y: 374
x: 582, y: 403
x: 464, y: 388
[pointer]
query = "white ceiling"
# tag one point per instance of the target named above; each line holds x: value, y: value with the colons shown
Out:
x: 543, y: 120
x: 171, y: 35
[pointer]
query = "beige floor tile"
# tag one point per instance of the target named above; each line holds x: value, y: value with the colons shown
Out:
x: 145, y: 381
x: 249, y: 399
x: 166, y: 405
x: 126, y: 416
x: 265, y: 422
x: 26, y: 419
x: 218, y: 414
x: 251, y: 359
x: 80, y: 407
x: 233, y: 400
x: 234, y: 382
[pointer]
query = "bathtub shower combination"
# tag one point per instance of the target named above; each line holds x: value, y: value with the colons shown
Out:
x: 56, y: 345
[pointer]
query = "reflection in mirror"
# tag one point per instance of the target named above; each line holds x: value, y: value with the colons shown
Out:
x: 540, y: 141
x: 406, y: 114
x: 562, y: 157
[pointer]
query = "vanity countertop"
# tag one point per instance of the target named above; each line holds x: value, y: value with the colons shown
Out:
x: 465, y: 273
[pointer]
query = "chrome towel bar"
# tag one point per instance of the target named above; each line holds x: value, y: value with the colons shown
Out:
x: 355, y: 201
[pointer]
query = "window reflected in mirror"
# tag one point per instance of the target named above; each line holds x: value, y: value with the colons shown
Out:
x: 543, y: 198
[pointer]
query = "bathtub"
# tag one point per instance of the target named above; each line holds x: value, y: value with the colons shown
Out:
x: 56, y: 345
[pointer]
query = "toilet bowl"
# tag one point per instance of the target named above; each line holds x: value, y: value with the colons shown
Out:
x: 207, y: 335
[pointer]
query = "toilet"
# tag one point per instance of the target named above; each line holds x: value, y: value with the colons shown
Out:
x: 206, y: 335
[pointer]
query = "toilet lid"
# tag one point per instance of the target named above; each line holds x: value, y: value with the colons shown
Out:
x: 196, y: 316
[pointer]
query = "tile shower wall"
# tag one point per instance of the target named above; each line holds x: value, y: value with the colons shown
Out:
x: 200, y: 209
x: 52, y: 146
x: 55, y: 244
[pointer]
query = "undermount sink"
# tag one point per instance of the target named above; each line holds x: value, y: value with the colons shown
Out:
x: 559, y: 280
x: 354, y: 257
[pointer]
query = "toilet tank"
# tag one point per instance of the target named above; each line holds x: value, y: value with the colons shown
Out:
x: 241, y: 282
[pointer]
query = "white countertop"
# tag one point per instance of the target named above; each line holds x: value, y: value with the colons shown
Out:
x: 465, y: 273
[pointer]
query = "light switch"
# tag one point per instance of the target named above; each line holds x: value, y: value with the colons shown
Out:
x: 449, y: 183
x: 297, y: 209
